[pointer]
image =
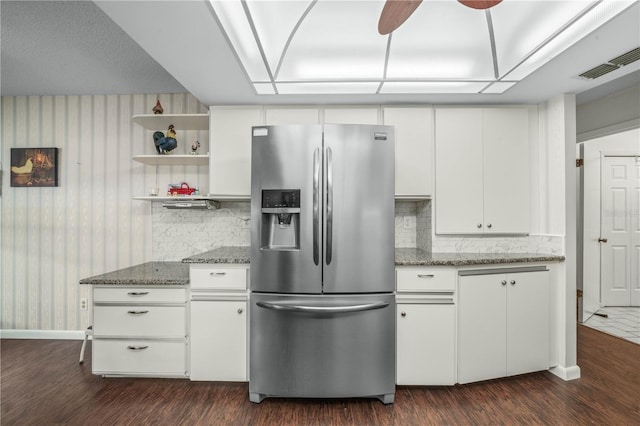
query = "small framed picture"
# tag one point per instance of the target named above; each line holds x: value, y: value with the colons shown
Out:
x: 33, y: 167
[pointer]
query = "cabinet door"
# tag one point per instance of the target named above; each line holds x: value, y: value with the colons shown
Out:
x: 506, y: 170
x: 351, y: 116
x: 482, y: 328
x: 275, y: 116
x: 425, y: 344
x: 414, y: 150
x: 219, y: 340
x: 230, y: 146
x: 458, y: 195
x: 527, y: 322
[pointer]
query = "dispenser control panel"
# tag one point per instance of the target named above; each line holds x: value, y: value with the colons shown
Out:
x: 280, y: 199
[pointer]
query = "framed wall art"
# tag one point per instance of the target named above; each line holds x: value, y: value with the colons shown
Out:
x: 34, y: 167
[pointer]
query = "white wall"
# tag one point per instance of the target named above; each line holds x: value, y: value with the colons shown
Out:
x: 612, y: 114
x: 89, y: 224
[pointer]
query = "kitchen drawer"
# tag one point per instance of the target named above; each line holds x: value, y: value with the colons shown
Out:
x: 156, y: 357
x: 217, y: 278
x: 139, y: 321
x: 425, y: 280
x: 139, y: 295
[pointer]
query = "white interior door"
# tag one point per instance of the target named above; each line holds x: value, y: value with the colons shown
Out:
x: 620, y: 232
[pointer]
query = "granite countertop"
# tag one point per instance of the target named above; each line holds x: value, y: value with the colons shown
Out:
x: 404, y: 257
x: 418, y: 257
x: 177, y: 273
x: 150, y: 273
x: 238, y: 254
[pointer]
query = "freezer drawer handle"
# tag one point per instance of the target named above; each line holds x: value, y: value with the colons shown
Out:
x: 137, y: 348
x: 137, y: 312
x: 138, y: 293
x: 217, y: 274
x: 426, y: 275
x: 323, y: 309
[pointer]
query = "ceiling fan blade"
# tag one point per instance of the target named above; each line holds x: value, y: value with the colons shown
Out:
x: 394, y: 13
x: 480, y: 4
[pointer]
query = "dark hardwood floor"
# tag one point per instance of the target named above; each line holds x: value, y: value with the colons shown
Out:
x: 42, y: 383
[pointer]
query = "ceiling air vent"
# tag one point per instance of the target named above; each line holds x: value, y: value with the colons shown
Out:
x: 626, y: 58
x: 613, y: 64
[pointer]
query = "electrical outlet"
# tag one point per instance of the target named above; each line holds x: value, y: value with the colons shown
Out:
x: 84, y: 304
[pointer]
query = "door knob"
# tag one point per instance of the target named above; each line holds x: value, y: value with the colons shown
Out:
x: 489, y: 226
x: 240, y: 310
x: 403, y: 314
x: 602, y: 240
x: 479, y: 225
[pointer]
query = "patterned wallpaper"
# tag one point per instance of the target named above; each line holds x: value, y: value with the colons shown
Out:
x: 89, y: 224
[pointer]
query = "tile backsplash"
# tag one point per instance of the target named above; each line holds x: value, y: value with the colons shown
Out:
x: 182, y: 233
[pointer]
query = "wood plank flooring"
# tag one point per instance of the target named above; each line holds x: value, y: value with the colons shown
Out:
x: 42, y: 383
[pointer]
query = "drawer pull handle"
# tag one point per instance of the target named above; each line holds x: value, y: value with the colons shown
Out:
x: 217, y: 274
x: 137, y: 312
x: 137, y: 348
x: 138, y: 293
x: 426, y: 275
x: 240, y: 310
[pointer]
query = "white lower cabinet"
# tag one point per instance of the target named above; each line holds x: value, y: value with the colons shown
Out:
x: 139, y: 331
x: 425, y: 326
x: 218, y: 321
x: 425, y: 344
x: 503, y: 324
x: 219, y: 340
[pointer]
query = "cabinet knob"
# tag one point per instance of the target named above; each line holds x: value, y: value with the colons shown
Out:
x: 403, y: 314
x: 489, y: 226
x: 479, y: 225
x: 513, y: 282
x: 240, y: 310
x: 504, y: 282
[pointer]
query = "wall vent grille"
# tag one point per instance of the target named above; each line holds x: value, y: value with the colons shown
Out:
x: 613, y: 64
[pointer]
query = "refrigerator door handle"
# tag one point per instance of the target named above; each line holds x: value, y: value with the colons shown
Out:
x: 316, y: 206
x: 322, y: 309
x: 329, y: 252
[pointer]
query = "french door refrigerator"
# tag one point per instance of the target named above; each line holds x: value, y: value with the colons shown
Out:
x: 322, y: 304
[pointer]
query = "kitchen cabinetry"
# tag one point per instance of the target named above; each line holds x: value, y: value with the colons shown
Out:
x: 139, y: 331
x: 503, y: 322
x: 182, y: 122
x: 230, y: 146
x: 425, y: 335
x: 351, y: 115
x: 218, y: 322
x: 482, y: 171
x: 275, y: 116
x: 414, y: 150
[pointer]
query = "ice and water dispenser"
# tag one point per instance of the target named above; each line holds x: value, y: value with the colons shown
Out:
x: 280, y: 219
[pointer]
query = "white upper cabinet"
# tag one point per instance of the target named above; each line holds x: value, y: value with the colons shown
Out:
x: 414, y: 150
x: 482, y: 171
x: 276, y: 116
x: 351, y: 115
x: 230, y: 145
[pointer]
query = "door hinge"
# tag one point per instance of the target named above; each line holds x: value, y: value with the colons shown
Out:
x: 579, y: 162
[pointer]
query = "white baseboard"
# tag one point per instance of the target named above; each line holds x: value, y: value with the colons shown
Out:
x: 566, y: 373
x: 43, y: 334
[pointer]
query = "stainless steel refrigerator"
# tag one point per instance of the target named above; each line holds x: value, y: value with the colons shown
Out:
x: 322, y: 307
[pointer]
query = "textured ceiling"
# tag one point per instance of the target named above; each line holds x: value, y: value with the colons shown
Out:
x: 73, y: 47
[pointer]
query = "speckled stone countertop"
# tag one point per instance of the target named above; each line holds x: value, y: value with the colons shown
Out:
x: 221, y: 255
x: 150, y: 273
x: 177, y: 273
x: 417, y: 257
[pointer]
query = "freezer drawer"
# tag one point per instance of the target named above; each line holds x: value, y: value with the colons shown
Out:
x: 322, y: 346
